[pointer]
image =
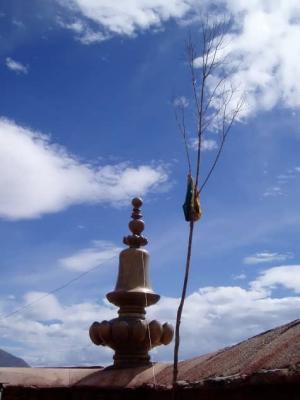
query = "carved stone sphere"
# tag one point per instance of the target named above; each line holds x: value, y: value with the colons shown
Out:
x: 136, y: 226
x: 95, y: 334
x: 137, y: 202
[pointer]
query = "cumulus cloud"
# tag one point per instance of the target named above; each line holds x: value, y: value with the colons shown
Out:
x: 264, y: 52
x: 51, y: 333
x: 124, y: 17
x: 266, y: 257
x: 42, y: 177
x: 16, y: 66
x: 46, y: 306
x: 99, y: 253
x: 287, y: 276
x: 263, y: 48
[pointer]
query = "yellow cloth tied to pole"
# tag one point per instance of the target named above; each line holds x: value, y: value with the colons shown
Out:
x: 191, y: 207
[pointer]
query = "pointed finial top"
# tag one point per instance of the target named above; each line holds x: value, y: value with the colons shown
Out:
x: 136, y: 226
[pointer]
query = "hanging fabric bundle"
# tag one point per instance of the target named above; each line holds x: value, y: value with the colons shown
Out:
x: 191, y: 207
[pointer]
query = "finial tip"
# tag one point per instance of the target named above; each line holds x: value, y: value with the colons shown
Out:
x: 136, y: 226
x: 137, y: 202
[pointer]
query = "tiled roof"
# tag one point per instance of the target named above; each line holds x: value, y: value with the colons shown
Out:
x: 271, y: 358
x: 275, y: 349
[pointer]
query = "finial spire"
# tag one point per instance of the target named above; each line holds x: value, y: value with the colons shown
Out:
x: 136, y: 226
x: 131, y: 335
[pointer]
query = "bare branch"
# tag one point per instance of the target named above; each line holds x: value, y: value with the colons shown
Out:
x: 225, y: 131
x: 182, y: 129
x: 217, y: 47
x: 213, y: 106
x: 191, y: 57
x: 213, y: 93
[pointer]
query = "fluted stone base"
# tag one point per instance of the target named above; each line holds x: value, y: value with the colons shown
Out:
x: 131, y: 338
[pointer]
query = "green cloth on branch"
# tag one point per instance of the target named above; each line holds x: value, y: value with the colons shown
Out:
x: 191, y: 207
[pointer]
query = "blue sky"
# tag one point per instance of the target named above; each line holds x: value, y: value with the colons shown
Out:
x: 87, y: 122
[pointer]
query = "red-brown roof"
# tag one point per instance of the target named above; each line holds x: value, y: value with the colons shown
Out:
x: 277, y: 348
x: 271, y: 357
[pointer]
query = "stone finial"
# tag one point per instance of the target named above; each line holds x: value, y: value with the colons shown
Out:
x: 136, y: 226
x: 131, y: 335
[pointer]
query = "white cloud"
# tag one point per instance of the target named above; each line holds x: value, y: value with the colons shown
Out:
x: 125, y: 17
x: 18, y: 23
x: 206, y: 144
x: 46, y: 307
x: 181, y: 102
x: 76, y: 25
x: 265, y: 60
x: 213, y: 317
x: 240, y: 277
x: 287, y: 276
x: 56, y: 335
x: 42, y: 177
x: 209, y: 145
x: 16, y: 66
x: 266, y: 257
x: 82, y: 31
x: 85, y: 259
x: 90, y: 36
x: 283, y: 182
x: 273, y: 191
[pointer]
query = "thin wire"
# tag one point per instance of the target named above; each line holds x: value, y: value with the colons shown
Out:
x: 148, y: 329
x: 28, y: 305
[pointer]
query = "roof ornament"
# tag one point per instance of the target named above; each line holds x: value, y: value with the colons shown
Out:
x: 136, y: 226
x: 131, y: 335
